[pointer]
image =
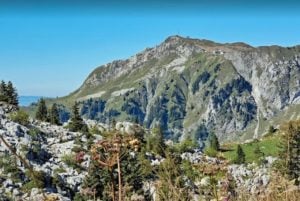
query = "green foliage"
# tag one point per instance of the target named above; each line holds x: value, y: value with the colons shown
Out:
x: 9, y: 165
x: 28, y: 186
x: 147, y: 171
x: 189, y: 171
x: 20, y: 117
x: 155, y: 142
x: 99, y: 180
x: 240, y: 155
x: 95, y: 130
x: 211, y: 152
x: 212, y: 146
x: 79, y: 197
x: 77, y: 124
x: 77, y: 149
x: 34, y: 133
x: 171, y: 180
x: 259, y: 154
x: 41, y: 113
x: 268, y: 145
x: 132, y: 174
x: 3, y: 92
x: 8, y: 93
x: 290, y: 150
x: 70, y: 160
x: 38, y: 180
x: 213, y: 142
x: 187, y: 145
x: 12, y: 94
x: 59, y: 170
x: 54, y: 115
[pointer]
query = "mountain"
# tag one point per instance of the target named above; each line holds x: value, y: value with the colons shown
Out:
x: 192, y: 87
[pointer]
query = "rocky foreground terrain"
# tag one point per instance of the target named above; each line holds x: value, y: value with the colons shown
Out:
x: 46, y: 146
x: 193, y: 87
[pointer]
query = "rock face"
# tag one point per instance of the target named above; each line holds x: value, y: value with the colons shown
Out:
x: 44, y: 146
x: 189, y: 86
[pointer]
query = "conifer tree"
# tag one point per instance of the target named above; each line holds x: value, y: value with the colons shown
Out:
x: 54, y: 115
x: 41, y: 113
x: 157, y: 141
x: 3, y: 91
x: 290, y: 152
x: 213, y: 146
x: 241, y: 158
x: 259, y: 155
x: 77, y: 124
x: 213, y: 142
x: 12, y: 94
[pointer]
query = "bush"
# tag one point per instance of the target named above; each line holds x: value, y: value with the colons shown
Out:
x: 28, y: 186
x: 38, y: 180
x: 34, y: 133
x: 187, y: 145
x: 211, y: 152
x: 20, y: 117
x: 9, y: 165
x: 95, y: 130
x: 77, y: 149
x: 70, y: 160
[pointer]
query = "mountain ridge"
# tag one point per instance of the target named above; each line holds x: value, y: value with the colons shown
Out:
x: 193, y: 87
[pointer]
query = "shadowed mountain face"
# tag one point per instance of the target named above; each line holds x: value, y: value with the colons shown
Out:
x: 193, y: 87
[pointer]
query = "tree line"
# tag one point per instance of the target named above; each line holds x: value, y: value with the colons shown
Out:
x: 51, y: 115
x: 48, y: 115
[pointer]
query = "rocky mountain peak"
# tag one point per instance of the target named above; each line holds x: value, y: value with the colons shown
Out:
x: 194, y: 87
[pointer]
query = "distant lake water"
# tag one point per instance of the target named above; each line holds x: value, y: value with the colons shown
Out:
x: 27, y: 100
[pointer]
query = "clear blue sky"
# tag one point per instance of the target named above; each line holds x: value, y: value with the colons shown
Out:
x: 49, y: 48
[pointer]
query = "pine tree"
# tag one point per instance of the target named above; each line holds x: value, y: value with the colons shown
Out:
x: 54, y: 115
x: 77, y: 124
x: 157, y: 141
x: 12, y: 94
x: 213, y: 142
x: 290, y: 152
x: 241, y: 158
x: 41, y: 113
x: 3, y: 92
x: 213, y: 146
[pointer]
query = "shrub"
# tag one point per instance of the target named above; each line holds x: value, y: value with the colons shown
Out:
x: 187, y: 145
x: 211, y: 152
x: 34, y: 133
x: 95, y: 130
x: 20, y: 117
x: 38, y: 180
x: 70, y: 160
x: 28, y: 186
x: 77, y: 149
